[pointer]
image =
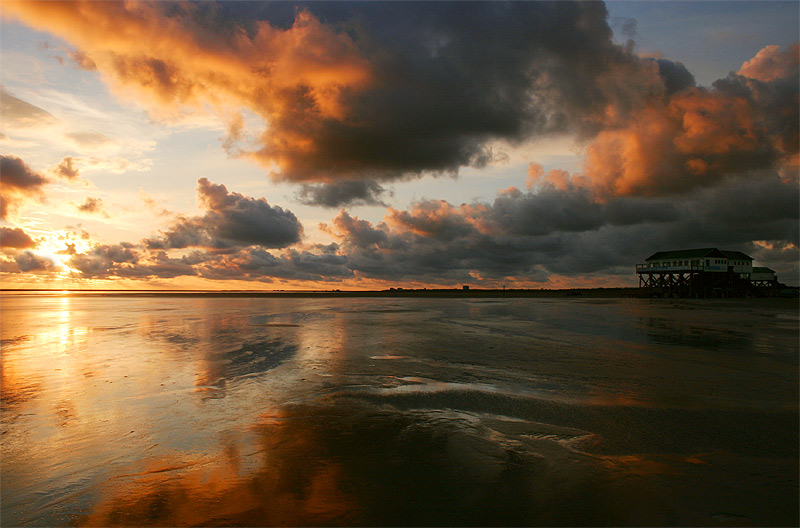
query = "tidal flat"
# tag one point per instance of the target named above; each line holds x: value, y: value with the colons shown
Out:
x: 208, y: 410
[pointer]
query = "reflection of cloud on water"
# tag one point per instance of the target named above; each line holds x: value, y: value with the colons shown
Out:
x: 349, y: 463
x: 292, y: 481
x: 346, y: 463
x: 218, y: 367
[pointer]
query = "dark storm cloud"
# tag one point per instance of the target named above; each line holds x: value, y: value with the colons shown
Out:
x: 15, y: 238
x: 386, y: 90
x: 17, y: 182
x: 232, y: 220
x: 530, y: 236
x: 368, y: 90
x: 675, y: 75
x: 257, y: 264
x: 449, y: 77
x: 348, y: 192
x: 521, y: 236
x: 553, y: 210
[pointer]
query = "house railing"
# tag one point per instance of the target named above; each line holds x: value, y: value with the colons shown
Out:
x: 647, y: 268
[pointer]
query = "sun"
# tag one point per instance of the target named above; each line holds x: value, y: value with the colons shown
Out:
x: 58, y: 247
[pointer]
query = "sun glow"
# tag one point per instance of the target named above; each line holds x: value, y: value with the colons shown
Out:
x: 58, y: 247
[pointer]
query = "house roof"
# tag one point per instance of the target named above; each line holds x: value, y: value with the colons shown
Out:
x: 698, y: 253
x: 686, y: 254
x: 763, y: 269
x: 736, y: 255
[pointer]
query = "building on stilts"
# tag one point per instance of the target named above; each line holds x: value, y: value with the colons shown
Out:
x: 704, y: 272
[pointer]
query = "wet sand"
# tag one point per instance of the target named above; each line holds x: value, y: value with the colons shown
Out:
x: 268, y: 410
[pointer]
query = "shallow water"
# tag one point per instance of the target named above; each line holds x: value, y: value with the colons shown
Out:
x: 173, y: 410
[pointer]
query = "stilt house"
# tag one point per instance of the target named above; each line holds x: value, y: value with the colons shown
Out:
x: 710, y: 260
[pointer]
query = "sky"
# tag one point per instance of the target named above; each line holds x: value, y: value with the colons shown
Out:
x: 367, y: 145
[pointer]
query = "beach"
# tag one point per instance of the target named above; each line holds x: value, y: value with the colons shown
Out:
x: 330, y: 409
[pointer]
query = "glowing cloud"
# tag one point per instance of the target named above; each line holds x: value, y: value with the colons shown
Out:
x: 18, y: 183
x: 699, y: 136
x: 373, y: 91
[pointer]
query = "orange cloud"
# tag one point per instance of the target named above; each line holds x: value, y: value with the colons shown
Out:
x: 556, y: 178
x: 771, y: 63
x: 170, y: 61
x: 698, y: 136
x: 535, y: 173
x: 434, y: 218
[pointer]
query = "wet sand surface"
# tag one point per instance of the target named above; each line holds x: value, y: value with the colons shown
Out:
x: 174, y: 411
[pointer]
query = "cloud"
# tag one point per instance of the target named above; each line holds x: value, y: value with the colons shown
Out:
x: 255, y: 263
x: 231, y: 220
x: 93, y: 206
x: 105, y: 258
x: 88, y: 139
x: 17, y: 183
x: 20, y: 114
x: 374, y: 91
x: 696, y: 137
x: 230, y: 241
x: 522, y: 238
x: 66, y: 169
x: 189, y: 54
x: 675, y: 75
x: 771, y: 64
x: 532, y: 236
x: 357, y: 233
x: 432, y: 218
x: 348, y: 192
x: 28, y: 261
x: 125, y: 260
x: 15, y: 238
x: 356, y: 93
x: 155, y: 207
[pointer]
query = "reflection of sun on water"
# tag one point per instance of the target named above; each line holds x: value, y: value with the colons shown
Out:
x: 64, y: 329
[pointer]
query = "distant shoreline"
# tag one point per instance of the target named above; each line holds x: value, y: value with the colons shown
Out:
x: 586, y: 293
x: 393, y: 292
